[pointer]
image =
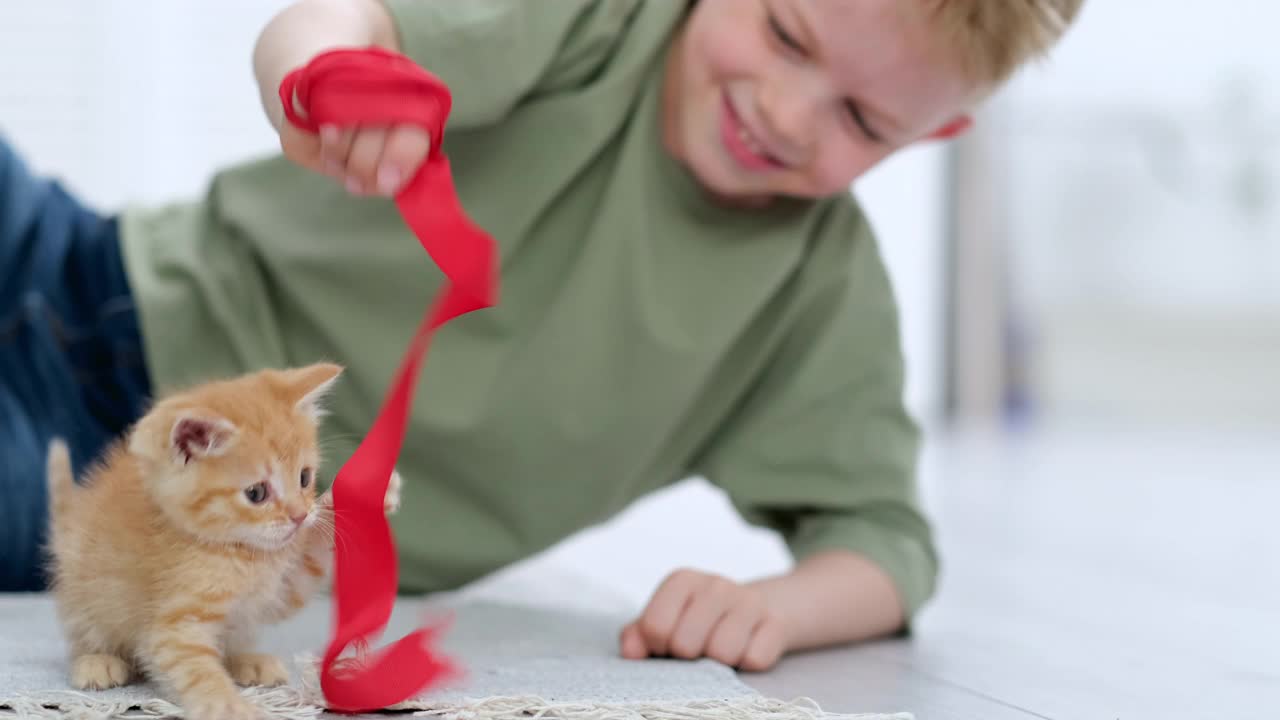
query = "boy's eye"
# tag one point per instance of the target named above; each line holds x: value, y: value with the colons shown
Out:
x: 305, y: 480
x: 257, y: 494
x: 783, y: 36
x: 856, y: 115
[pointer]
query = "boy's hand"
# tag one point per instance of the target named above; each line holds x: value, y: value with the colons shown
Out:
x: 366, y: 160
x: 695, y: 614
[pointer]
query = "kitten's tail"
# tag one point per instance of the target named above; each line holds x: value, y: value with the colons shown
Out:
x: 61, y: 481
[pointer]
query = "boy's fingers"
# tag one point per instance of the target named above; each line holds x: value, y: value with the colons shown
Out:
x: 405, y: 149
x: 730, y: 636
x: 302, y: 148
x: 765, y: 647
x: 335, y: 146
x: 362, y: 161
x: 710, y: 602
x: 631, y: 643
x: 668, y: 603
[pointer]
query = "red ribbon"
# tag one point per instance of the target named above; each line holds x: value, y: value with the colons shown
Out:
x: 372, y: 86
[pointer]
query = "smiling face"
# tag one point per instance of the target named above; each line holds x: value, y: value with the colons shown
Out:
x: 801, y: 97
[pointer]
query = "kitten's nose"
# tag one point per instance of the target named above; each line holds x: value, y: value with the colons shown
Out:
x: 298, y: 519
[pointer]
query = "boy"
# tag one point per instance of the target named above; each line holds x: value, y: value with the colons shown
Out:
x: 687, y: 286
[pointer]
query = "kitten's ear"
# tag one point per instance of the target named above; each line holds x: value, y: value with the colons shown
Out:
x: 194, y: 437
x: 311, y: 384
x: 182, y: 434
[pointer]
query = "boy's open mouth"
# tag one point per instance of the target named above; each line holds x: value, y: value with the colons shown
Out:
x: 741, y: 143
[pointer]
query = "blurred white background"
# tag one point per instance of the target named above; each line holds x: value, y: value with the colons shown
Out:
x: 1126, y: 258
x: 1143, y: 206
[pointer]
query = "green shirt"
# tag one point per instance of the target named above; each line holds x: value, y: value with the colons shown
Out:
x: 644, y: 333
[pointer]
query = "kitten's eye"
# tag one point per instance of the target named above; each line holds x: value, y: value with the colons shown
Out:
x: 257, y: 494
x: 306, y: 477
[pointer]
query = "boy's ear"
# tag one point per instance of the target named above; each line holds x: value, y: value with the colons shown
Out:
x: 952, y: 128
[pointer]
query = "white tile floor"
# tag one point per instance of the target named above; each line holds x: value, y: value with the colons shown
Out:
x: 1099, y: 573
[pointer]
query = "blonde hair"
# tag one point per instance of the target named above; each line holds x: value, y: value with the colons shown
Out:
x: 993, y: 38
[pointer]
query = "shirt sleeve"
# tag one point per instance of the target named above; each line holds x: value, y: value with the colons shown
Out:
x: 494, y: 54
x: 822, y: 448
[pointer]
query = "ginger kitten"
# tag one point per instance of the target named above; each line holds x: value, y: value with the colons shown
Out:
x: 198, y: 527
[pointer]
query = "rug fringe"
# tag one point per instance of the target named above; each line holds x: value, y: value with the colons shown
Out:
x: 284, y: 703
x: 744, y: 708
x: 305, y: 702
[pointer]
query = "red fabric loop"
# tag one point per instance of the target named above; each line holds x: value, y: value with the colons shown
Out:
x: 367, y: 87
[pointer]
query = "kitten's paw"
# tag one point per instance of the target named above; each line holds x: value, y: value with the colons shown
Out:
x: 391, y: 501
x: 99, y: 672
x: 257, y: 669
x: 223, y: 707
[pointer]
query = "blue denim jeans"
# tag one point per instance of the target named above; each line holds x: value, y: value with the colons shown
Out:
x: 71, y: 361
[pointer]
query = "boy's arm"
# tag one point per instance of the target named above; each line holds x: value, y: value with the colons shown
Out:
x: 833, y: 597
x: 492, y: 53
x: 822, y: 450
x: 308, y: 27
x: 367, y: 160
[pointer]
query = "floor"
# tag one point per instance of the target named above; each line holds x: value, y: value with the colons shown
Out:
x: 1101, y: 574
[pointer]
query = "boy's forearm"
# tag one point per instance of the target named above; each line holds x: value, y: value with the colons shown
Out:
x: 308, y: 27
x: 834, y: 597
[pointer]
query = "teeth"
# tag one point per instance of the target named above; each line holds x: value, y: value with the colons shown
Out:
x: 750, y: 142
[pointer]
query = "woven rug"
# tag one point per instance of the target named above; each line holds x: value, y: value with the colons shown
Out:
x: 519, y: 662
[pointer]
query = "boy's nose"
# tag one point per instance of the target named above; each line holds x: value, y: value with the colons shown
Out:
x: 789, y: 109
